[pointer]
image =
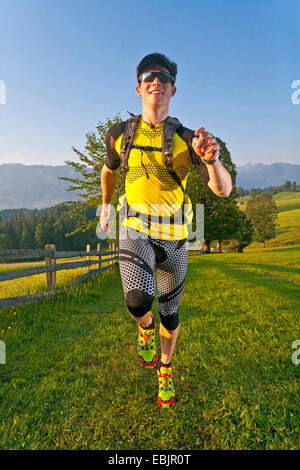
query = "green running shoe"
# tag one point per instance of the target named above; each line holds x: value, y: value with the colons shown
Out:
x: 146, y: 346
x: 166, y: 390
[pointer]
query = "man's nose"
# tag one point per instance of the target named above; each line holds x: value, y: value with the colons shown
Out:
x: 156, y: 81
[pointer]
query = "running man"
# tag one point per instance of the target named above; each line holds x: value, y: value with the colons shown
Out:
x: 156, y: 169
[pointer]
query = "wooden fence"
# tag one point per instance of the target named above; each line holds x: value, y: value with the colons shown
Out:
x: 51, y: 255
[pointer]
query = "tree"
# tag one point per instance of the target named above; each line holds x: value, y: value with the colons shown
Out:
x: 217, y: 225
x: 226, y: 221
x: 44, y: 234
x: 35, y: 229
x: 88, y: 180
x: 27, y: 238
x: 5, y: 241
x: 241, y: 191
x: 262, y: 212
x: 11, y: 228
x: 244, y: 235
x: 59, y: 235
x: 255, y: 191
x: 287, y: 185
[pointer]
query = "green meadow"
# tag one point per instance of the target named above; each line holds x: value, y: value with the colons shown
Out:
x: 288, y: 223
x: 72, y: 379
x: 38, y: 283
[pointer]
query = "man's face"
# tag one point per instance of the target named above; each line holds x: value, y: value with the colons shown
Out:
x: 156, y: 94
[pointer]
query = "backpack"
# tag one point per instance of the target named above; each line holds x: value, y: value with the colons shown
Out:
x: 170, y: 126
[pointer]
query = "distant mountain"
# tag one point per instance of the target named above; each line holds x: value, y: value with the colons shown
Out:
x: 258, y: 175
x: 5, y: 214
x: 34, y: 186
x: 38, y: 186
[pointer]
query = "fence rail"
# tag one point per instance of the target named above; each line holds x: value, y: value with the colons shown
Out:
x: 51, y: 255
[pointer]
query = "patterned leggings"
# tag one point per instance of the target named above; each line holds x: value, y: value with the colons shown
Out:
x: 139, y: 255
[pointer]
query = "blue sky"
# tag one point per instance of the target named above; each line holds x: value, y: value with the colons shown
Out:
x: 69, y: 64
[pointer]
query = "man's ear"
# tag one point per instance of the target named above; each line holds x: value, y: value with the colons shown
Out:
x: 138, y: 90
x: 174, y: 89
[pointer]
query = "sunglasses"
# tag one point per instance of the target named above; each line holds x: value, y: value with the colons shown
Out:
x: 163, y: 77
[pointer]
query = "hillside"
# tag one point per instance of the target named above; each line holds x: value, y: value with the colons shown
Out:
x: 259, y: 175
x: 38, y: 186
x: 288, y: 229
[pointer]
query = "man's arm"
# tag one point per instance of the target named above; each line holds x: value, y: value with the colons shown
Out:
x: 108, y: 183
x: 207, y: 147
x: 109, y: 173
x: 219, y: 179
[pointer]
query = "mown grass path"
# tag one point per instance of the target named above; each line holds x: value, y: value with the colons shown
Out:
x: 73, y: 380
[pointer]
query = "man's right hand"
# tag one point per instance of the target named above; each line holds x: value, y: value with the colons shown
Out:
x: 105, y: 214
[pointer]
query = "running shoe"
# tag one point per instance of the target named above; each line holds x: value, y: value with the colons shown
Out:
x: 166, y: 390
x: 146, y: 346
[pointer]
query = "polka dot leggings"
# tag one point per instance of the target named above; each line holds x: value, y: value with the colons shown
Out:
x: 139, y: 257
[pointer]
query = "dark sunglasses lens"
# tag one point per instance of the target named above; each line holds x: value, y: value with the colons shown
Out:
x: 150, y: 76
x: 163, y: 78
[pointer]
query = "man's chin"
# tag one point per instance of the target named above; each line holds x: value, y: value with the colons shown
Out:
x: 155, y: 99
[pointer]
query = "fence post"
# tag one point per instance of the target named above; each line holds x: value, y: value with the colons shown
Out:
x: 53, y: 274
x: 99, y: 256
x: 88, y: 248
x: 112, y: 247
x: 48, y: 262
x: 117, y: 249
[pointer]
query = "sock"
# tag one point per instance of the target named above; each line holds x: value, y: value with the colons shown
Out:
x: 151, y: 326
x: 161, y: 364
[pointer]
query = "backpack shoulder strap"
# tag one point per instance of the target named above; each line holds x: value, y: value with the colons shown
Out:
x: 171, y: 125
x: 176, y: 178
x: 127, y: 139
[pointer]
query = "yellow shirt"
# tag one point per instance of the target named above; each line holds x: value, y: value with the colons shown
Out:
x: 149, y: 188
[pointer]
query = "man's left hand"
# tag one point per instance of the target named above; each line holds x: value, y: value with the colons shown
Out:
x: 204, y: 144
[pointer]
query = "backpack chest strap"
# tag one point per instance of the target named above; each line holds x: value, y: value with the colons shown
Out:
x: 170, y: 126
x: 146, y: 147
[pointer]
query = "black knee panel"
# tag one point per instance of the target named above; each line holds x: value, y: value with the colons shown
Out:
x: 170, y: 322
x: 138, y: 302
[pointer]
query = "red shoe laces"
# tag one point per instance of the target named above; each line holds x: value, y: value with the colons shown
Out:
x: 166, y: 377
x: 146, y: 337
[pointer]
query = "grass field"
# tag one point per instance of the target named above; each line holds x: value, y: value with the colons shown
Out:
x: 288, y: 229
x: 285, y: 201
x: 73, y: 381
x: 38, y: 283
